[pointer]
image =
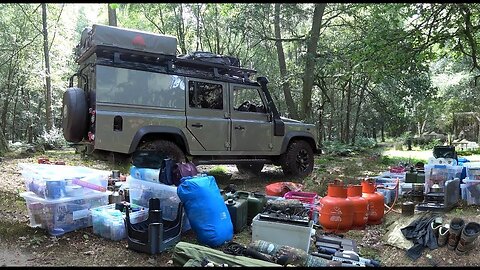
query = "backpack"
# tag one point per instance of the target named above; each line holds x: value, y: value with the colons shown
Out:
x: 183, y: 169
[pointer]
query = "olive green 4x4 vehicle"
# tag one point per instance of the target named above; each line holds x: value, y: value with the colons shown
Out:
x: 133, y: 92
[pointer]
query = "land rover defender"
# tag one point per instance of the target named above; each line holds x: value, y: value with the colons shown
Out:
x: 134, y: 92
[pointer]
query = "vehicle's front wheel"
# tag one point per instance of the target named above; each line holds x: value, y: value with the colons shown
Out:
x: 170, y: 149
x: 298, y: 160
x: 250, y: 168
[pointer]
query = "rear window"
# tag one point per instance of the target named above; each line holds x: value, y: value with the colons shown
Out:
x: 136, y: 87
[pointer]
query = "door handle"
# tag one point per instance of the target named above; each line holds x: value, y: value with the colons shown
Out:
x: 197, y: 125
x: 239, y: 127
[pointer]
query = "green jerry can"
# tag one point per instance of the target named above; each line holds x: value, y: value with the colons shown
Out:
x: 411, y: 176
x: 420, y: 176
x: 237, y: 207
x: 256, y: 202
x: 226, y: 195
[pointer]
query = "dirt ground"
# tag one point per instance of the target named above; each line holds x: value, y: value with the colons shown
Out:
x: 21, y: 245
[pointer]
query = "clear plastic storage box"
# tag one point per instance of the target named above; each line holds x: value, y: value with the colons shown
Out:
x: 472, y: 170
x: 109, y: 222
x: 471, y: 190
x: 62, y: 215
x: 142, y: 191
x: 60, y: 181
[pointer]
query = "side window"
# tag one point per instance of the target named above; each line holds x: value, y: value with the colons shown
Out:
x: 205, y: 95
x: 248, y: 100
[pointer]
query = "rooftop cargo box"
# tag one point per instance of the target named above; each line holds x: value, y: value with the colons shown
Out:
x: 116, y: 37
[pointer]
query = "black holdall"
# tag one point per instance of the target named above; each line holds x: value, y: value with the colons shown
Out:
x: 166, y: 171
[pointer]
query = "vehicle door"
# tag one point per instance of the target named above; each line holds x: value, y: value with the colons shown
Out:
x: 252, y: 127
x: 207, y: 113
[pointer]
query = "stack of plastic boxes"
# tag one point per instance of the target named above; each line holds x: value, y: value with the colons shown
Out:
x: 141, y: 191
x: 59, y: 197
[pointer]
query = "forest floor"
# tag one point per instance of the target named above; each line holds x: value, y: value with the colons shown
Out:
x: 21, y: 245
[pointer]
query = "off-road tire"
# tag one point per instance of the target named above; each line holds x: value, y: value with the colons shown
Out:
x: 253, y: 168
x: 298, y: 160
x: 170, y: 149
x: 74, y: 114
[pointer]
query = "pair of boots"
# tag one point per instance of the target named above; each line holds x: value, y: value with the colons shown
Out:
x: 457, y: 236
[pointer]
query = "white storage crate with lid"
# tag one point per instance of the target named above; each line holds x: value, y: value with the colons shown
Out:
x: 58, y: 181
x: 283, y: 233
x: 141, y: 191
x: 62, y: 215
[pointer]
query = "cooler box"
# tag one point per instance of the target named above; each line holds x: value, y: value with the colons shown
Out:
x: 283, y: 233
x: 61, y: 181
x: 142, y: 191
x: 62, y: 215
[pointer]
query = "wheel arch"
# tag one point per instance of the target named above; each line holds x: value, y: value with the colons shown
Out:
x: 173, y: 134
x: 298, y: 135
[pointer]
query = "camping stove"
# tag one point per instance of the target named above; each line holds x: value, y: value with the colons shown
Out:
x: 441, y: 199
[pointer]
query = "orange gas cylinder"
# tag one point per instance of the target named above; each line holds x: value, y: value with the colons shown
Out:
x: 335, y: 209
x: 360, y: 206
x: 376, y: 201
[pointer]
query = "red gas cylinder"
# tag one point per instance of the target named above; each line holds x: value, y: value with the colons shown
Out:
x: 335, y: 209
x: 375, y: 201
x: 360, y: 206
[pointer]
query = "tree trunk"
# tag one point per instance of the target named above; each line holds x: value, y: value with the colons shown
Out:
x: 48, y: 103
x: 359, y: 107
x: 348, y: 107
x: 292, y: 108
x: 3, y: 144
x: 383, y: 131
x: 308, y: 76
x: 14, y: 121
x: 112, y: 16
x: 341, y: 112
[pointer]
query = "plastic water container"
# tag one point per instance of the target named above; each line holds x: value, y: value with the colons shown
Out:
x: 140, y: 192
x: 62, y: 215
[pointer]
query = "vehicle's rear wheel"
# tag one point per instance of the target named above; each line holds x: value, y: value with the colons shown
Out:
x: 74, y: 114
x: 170, y: 149
x: 253, y: 168
x: 298, y: 160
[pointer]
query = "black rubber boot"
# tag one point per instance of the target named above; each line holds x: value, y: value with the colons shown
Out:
x: 443, y: 234
x: 436, y: 224
x: 467, y: 239
x: 456, y: 227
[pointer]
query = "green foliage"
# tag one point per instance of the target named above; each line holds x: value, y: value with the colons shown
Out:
x: 53, y: 139
x: 468, y: 152
x: 394, y: 161
x: 218, y: 170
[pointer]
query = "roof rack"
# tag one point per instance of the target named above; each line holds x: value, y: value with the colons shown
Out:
x: 118, y: 55
x: 217, y: 69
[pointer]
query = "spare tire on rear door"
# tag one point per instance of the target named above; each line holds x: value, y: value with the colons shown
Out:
x: 74, y: 114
